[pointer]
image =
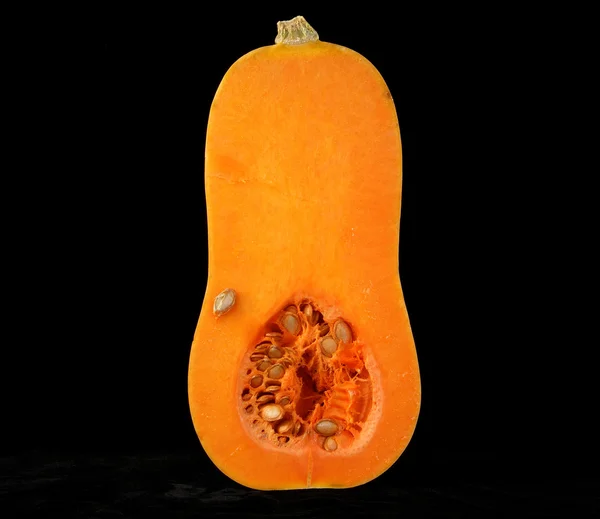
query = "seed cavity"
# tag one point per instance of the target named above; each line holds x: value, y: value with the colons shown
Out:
x: 342, y: 331
x: 295, y: 376
x: 291, y: 323
x: 328, y: 346
x: 256, y: 381
x: 330, y: 444
x: 275, y: 353
x: 276, y: 371
x: 326, y: 427
x: 272, y: 412
x: 224, y: 302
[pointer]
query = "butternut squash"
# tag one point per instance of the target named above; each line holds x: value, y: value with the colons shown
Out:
x: 303, y: 370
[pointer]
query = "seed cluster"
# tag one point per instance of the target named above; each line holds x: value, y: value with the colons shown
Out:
x: 305, y: 379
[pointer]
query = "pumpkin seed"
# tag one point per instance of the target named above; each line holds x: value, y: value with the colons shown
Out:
x: 263, y: 365
x: 342, y: 331
x: 323, y: 329
x: 264, y: 399
x: 291, y: 323
x: 272, y: 412
x: 330, y: 444
x: 275, y: 353
x: 285, y: 426
x: 326, y: 427
x: 224, y: 302
x: 276, y: 371
x: 307, y: 310
x: 328, y: 346
x: 256, y: 381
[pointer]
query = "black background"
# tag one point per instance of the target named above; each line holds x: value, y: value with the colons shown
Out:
x: 111, y: 236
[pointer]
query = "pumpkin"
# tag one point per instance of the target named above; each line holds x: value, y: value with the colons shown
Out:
x: 303, y: 371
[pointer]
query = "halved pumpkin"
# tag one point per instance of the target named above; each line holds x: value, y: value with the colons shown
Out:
x: 303, y: 370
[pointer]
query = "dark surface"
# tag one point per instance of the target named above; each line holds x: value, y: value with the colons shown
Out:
x: 182, y: 485
x: 104, y: 246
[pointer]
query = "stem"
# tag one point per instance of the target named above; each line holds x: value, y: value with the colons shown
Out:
x: 295, y: 32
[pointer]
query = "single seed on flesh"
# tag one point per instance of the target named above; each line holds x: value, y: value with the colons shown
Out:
x: 257, y: 356
x: 285, y: 400
x: 263, y: 346
x: 326, y: 427
x: 272, y: 412
x: 342, y: 331
x: 246, y: 397
x: 273, y: 389
x: 291, y: 323
x: 291, y: 308
x: 276, y: 371
x: 273, y: 334
x: 249, y: 409
x: 297, y: 428
x: 285, y: 426
x: 328, y: 346
x: 224, y: 302
x: 275, y: 353
x: 330, y: 444
x: 256, y: 381
x: 316, y: 317
x: 263, y: 365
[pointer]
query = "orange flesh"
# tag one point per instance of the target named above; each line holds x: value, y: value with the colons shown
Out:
x: 303, y: 188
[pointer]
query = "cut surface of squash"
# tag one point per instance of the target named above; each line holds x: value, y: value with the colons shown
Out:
x: 303, y: 370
